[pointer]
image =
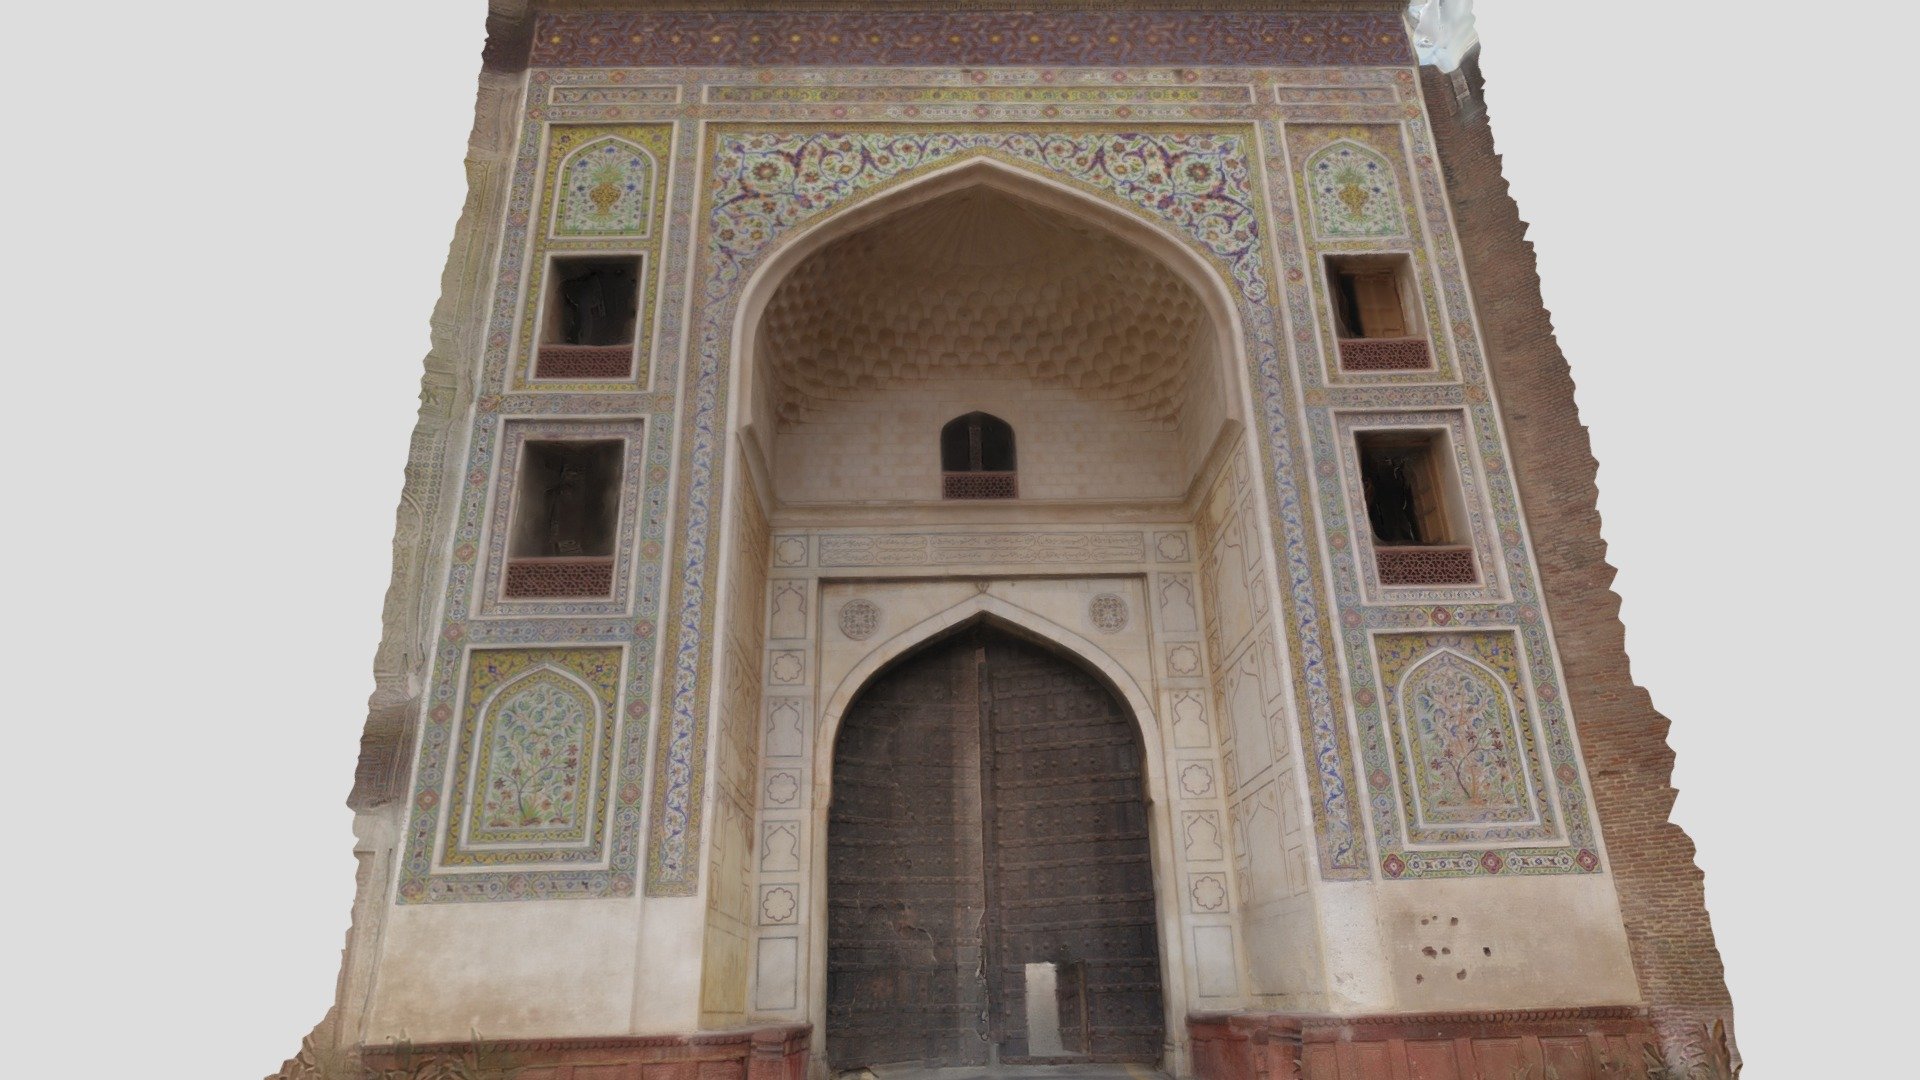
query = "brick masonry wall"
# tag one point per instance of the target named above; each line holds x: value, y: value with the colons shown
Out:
x: 1624, y: 739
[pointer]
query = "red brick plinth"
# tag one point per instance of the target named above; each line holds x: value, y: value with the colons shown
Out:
x: 775, y: 1053
x: 1570, y: 1044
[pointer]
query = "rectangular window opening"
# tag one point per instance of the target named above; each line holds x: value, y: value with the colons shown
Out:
x: 1414, y: 508
x: 589, y: 317
x: 565, y: 516
x: 1376, y: 313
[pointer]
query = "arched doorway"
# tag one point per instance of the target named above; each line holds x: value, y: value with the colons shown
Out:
x: 989, y: 884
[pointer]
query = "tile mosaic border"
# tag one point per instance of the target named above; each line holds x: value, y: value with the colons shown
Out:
x: 417, y: 880
x: 964, y: 38
x: 1521, y: 609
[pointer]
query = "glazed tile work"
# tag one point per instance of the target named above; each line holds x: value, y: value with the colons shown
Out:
x: 1353, y: 192
x: 1465, y: 745
x: 534, y: 758
x: 605, y: 187
x: 1423, y: 731
x: 601, y: 194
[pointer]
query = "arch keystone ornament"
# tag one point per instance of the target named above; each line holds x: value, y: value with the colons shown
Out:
x: 1133, y: 762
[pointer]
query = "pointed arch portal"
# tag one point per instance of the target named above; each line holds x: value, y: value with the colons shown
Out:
x: 990, y: 881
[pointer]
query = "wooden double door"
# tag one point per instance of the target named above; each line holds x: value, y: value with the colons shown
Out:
x: 987, y: 842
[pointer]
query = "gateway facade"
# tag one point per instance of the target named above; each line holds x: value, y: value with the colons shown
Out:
x: 1004, y: 536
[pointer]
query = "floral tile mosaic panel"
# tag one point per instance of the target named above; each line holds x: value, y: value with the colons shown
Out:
x: 1466, y: 749
x: 606, y: 188
x: 1353, y: 193
x: 535, y: 757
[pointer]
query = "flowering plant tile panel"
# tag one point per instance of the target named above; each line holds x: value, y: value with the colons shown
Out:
x: 529, y: 784
x: 1463, y: 744
x: 1465, y: 754
x: 606, y: 189
x: 1462, y: 747
x: 1353, y: 193
x: 764, y: 183
x: 966, y: 38
x: 578, y: 170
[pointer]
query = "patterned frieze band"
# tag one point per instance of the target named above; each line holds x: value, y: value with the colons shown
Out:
x: 963, y: 38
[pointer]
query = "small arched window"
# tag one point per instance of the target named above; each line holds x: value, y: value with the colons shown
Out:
x: 976, y: 458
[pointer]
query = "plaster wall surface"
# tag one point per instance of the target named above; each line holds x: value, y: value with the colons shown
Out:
x: 1476, y: 945
x: 1285, y: 953
x: 887, y: 449
x: 1517, y: 944
x: 736, y: 763
x: 508, y: 971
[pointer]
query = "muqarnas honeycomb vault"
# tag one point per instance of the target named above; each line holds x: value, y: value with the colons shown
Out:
x: 1001, y: 537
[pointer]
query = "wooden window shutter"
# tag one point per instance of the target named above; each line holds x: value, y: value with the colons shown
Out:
x: 1429, y: 502
x: 1377, y: 295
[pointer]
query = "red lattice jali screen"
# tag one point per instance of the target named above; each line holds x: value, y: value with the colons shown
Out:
x: 583, y: 362
x: 979, y: 485
x: 575, y: 576
x: 1424, y: 565
x: 1384, y: 354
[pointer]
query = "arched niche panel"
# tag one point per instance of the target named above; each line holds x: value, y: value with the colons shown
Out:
x: 983, y: 287
x: 1354, y: 195
x: 530, y: 780
x: 1464, y: 743
x: 605, y: 190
